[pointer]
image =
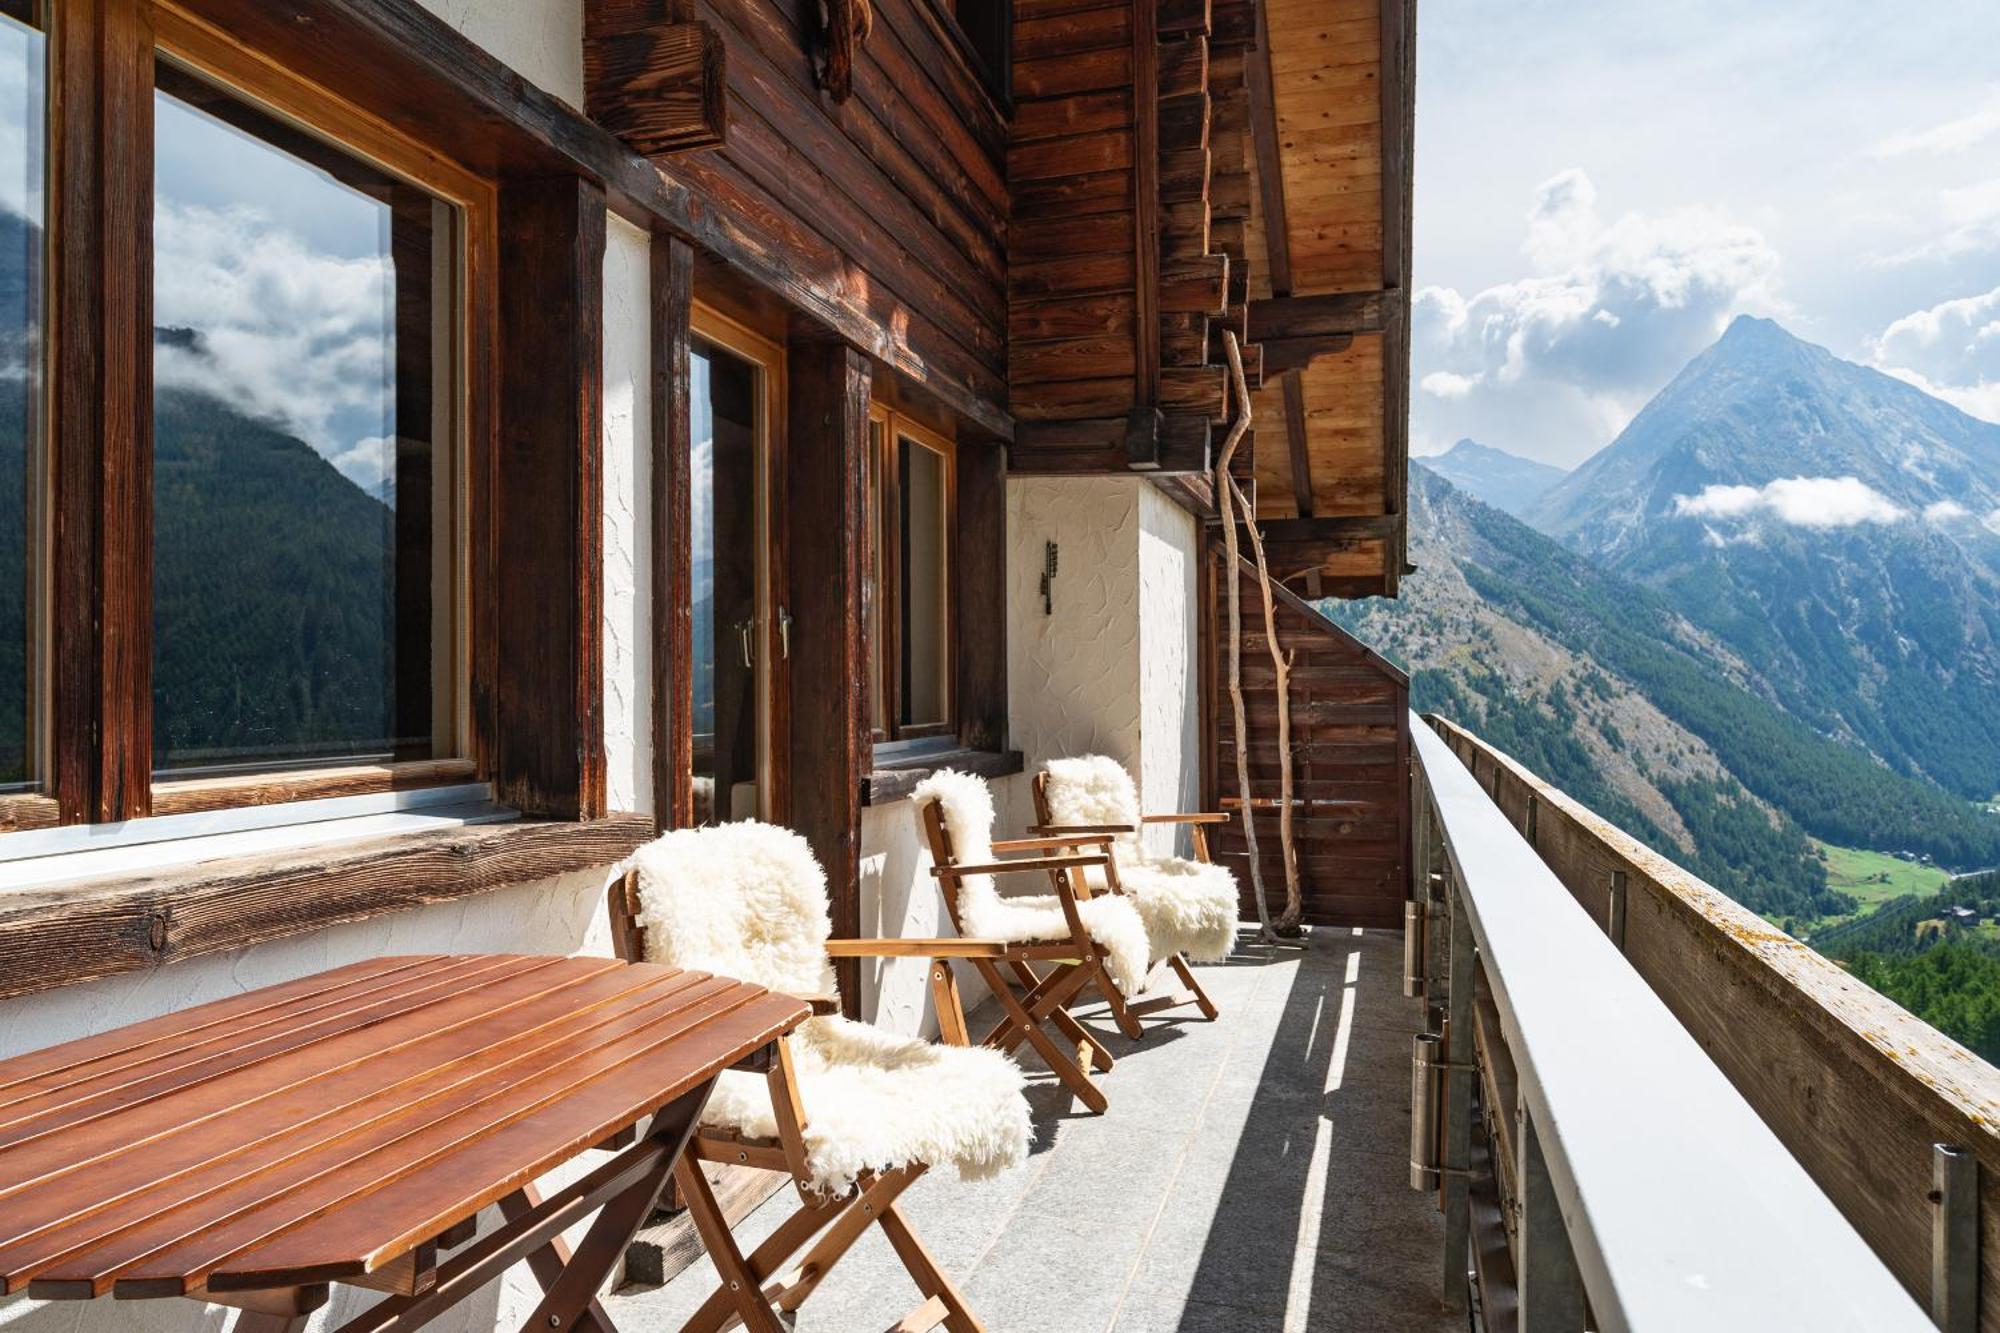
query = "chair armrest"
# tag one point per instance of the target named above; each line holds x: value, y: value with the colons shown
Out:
x: 1204, y: 817
x: 1030, y: 863
x: 822, y: 1003
x: 935, y: 948
x: 1100, y: 830
x: 1089, y: 838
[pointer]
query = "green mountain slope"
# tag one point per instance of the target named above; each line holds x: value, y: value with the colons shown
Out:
x: 1827, y: 523
x: 1607, y: 690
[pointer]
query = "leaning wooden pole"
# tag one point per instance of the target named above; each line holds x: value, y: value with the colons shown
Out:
x: 1281, y: 667
x: 1225, y: 498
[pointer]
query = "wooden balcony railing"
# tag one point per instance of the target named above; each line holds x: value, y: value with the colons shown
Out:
x: 1597, y: 1167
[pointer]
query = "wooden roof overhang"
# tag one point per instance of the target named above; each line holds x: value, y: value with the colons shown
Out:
x: 1332, y: 111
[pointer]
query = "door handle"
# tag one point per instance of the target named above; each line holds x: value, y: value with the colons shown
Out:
x: 785, y: 634
x: 743, y: 628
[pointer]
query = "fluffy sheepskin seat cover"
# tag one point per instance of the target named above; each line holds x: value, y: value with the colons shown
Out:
x: 1189, y: 906
x: 749, y: 901
x: 984, y: 914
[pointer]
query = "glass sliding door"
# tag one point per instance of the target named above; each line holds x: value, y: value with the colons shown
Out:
x: 732, y: 406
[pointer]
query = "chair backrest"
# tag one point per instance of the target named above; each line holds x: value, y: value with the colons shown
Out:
x: 956, y: 810
x: 745, y: 900
x: 1091, y: 790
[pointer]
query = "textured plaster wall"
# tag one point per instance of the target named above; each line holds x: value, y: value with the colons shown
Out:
x: 1073, y: 673
x: 1111, y: 668
x: 541, y: 39
x: 1169, y: 679
x: 628, y: 516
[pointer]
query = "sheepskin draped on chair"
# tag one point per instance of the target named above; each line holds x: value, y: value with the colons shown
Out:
x: 748, y: 900
x: 982, y: 910
x: 1189, y: 906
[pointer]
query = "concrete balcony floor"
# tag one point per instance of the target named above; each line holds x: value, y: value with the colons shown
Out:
x: 1252, y: 1173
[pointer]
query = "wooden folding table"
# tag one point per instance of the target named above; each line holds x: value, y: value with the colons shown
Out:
x: 349, y: 1126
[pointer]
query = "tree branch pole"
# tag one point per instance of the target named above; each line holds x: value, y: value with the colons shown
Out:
x: 1281, y: 667
x: 1225, y: 498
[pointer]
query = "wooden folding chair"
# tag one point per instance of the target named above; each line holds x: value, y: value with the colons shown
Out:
x: 1031, y: 1003
x: 760, y: 1290
x: 1191, y: 991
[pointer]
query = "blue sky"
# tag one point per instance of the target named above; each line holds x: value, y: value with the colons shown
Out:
x: 1601, y: 187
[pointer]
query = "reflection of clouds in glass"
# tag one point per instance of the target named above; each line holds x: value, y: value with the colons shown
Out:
x: 290, y: 327
x: 22, y: 98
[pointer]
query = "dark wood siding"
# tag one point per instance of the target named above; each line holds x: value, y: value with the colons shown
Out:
x: 1350, y: 755
x: 895, y: 200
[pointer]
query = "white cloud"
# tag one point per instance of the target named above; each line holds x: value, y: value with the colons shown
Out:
x: 1822, y: 503
x: 1947, y: 137
x: 286, y: 333
x: 1554, y: 364
x: 1445, y: 384
x: 1951, y: 350
x: 1946, y: 511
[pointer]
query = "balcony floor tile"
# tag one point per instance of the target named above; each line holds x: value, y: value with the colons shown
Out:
x: 1252, y: 1174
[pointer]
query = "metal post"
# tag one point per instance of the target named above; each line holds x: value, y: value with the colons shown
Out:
x: 1614, y: 926
x: 1413, y: 949
x: 1424, y: 1059
x: 1458, y: 1104
x: 1551, y: 1288
x: 1954, y: 1238
x: 1533, y: 822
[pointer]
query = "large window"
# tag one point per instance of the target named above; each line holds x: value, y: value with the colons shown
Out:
x: 305, y: 462
x: 911, y: 615
x: 22, y: 172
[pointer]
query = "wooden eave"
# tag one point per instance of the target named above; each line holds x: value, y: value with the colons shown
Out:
x: 1332, y: 106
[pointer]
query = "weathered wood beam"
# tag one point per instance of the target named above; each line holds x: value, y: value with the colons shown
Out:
x: 828, y: 386
x: 672, y: 282
x: 655, y: 79
x: 1398, y: 21
x: 1104, y: 446
x: 1346, y: 527
x: 546, y: 534
x: 1331, y: 315
x: 1295, y: 444
x: 100, y: 431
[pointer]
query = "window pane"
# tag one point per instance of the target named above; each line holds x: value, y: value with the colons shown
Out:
x: 722, y: 398
x: 22, y: 98
x: 302, y: 492
x: 921, y: 474
x: 878, y: 711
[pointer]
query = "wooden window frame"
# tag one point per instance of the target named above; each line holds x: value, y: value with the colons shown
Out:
x: 217, y: 58
x: 91, y: 675
x: 708, y: 323
x: 885, y: 618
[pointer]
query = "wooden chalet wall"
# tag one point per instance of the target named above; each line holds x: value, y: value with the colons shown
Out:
x: 882, y: 218
x: 1350, y: 754
x: 1128, y: 163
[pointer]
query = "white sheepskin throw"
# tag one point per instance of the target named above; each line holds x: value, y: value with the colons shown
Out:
x: 749, y: 901
x: 983, y: 913
x: 875, y: 1101
x: 743, y: 900
x: 1188, y: 906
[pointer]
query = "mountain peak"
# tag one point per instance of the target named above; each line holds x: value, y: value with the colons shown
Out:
x: 1506, y: 481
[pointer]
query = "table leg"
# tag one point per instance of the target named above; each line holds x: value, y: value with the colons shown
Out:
x: 567, y: 1304
x: 548, y: 1262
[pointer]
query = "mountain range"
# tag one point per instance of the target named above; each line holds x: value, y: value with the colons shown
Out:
x: 1506, y: 481
x: 1765, y: 613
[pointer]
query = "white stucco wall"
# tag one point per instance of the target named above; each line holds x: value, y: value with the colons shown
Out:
x: 1111, y: 668
x: 628, y: 519
x: 542, y: 40
x: 1169, y: 676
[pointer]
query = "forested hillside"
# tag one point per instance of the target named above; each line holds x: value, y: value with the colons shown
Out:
x: 1607, y: 691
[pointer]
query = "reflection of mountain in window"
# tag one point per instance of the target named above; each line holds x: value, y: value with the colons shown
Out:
x: 302, y: 420
x: 22, y: 101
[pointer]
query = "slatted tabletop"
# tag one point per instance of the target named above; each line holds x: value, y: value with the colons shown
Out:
x: 325, y: 1128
